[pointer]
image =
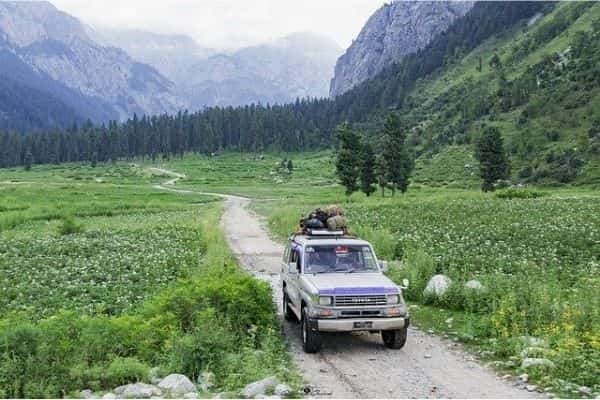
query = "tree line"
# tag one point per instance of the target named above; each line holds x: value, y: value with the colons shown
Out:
x: 303, y: 125
x: 361, y: 166
x: 389, y: 165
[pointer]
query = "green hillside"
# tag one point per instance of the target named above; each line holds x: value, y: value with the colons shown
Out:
x: 544, y: 95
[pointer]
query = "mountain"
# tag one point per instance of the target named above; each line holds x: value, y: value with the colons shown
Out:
x: 171, y: 55
x: 279, y: 71
x: 56, y: 47
x: 296, y: 66
x: 394, y: 31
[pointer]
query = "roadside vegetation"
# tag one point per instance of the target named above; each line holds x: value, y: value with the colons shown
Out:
x: 107, y: 282
x: 534, y: 251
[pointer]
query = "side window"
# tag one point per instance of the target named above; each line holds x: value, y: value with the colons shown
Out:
x: 286, y: 255
x: 295, y: 258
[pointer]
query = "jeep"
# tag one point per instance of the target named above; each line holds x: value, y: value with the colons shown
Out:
x: 333, y: 282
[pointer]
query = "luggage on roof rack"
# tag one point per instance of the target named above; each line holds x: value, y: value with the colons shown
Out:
x: 326, y: 222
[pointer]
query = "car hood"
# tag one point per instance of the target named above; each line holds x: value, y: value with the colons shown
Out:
x: 343, y: 284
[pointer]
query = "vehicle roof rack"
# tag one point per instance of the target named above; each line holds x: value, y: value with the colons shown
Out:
x: 323, y: 232
x: 315, y: 234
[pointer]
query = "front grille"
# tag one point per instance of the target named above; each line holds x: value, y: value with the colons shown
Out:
x: 354, y: 301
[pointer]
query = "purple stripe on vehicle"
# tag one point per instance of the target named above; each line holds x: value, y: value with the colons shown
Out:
x: 356, y: 291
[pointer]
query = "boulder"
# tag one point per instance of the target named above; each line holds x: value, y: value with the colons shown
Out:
x: 474, y: 285
x: 437, y: 286
x: 283, y: 390
x: 536, y: 362
x: 137, y: 391
x: 584, y: 390
x: 87, y: 394
x: 177, y: 384
x: 260, y: 388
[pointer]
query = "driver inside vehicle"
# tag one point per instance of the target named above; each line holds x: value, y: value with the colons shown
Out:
x: 329, y: 259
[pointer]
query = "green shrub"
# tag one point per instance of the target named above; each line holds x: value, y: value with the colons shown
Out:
x: 513, y: 193
x: 68, y: 226
x: 121, y: 371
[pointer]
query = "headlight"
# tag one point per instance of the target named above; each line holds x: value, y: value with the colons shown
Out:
x: 325, y: 301
x: 393, y: 299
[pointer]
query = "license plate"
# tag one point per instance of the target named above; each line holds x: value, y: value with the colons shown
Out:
x: 363, y: 325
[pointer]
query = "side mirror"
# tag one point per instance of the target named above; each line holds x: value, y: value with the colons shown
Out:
x: 405, y: 284
x: 383, y: 265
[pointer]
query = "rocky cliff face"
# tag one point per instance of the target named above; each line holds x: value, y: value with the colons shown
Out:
x: 58, y: 46
x: 394, y: 31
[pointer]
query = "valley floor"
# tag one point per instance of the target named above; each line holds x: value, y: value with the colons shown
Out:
x: 536, y: 257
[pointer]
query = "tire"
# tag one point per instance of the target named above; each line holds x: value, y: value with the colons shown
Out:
x: 288, y: 313
x: 394, y: 339
x: 311, y: 340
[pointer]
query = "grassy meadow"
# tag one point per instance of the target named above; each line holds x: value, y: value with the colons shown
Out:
x: 121, y: 259
x: 536, y: 251
x: 104, y: 278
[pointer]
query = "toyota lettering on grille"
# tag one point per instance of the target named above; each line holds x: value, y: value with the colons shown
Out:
x: 362, y: 300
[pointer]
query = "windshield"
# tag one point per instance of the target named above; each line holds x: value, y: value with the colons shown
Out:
x: 341, y: 258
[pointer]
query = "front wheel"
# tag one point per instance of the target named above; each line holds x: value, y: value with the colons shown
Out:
x: 311, y: 340
x: 394, y: 339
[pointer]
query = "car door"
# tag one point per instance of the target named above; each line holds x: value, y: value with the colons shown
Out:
x: 293, y: 274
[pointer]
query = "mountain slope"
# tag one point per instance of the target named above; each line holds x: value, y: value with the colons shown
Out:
x: 171, y: 55
x: 539, y: 83
x: 394, y: 31
x: 298, y: 65
x: 57, y: 45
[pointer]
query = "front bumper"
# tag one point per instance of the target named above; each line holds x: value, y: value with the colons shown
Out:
x: 350, y: 324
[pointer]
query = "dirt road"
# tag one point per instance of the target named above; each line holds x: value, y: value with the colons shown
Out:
x: 359, y: 366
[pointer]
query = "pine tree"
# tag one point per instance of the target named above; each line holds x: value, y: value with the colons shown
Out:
x: 381, y: 173
x: 28, y: 161
x: 367, y: 169
x: 348, y: 158
x: 399, y: 162
x: 493, y: 162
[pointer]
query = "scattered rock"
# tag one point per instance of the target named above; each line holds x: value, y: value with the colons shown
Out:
x: 431, y: 331
x: 109, y: 395
x: 437, y: 286
x: 532, y: 341
x: 584, y: 390
x: 87, y: 394
x: 506, y: 377
x: 449, y: 321
x: 177, y: 384
x: 323, y: 371
x: 283, y: 390
x: 474, y: 285
x: 137, y: 391
x: 260, y: 387
x: 190, y: 395
x: 524, y: 377
x: 536, y: 362
x: 531, y: 388
x: 427, y: 356
x: 533, y: 352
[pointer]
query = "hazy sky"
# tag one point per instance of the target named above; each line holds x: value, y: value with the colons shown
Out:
x: 228, y: 23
